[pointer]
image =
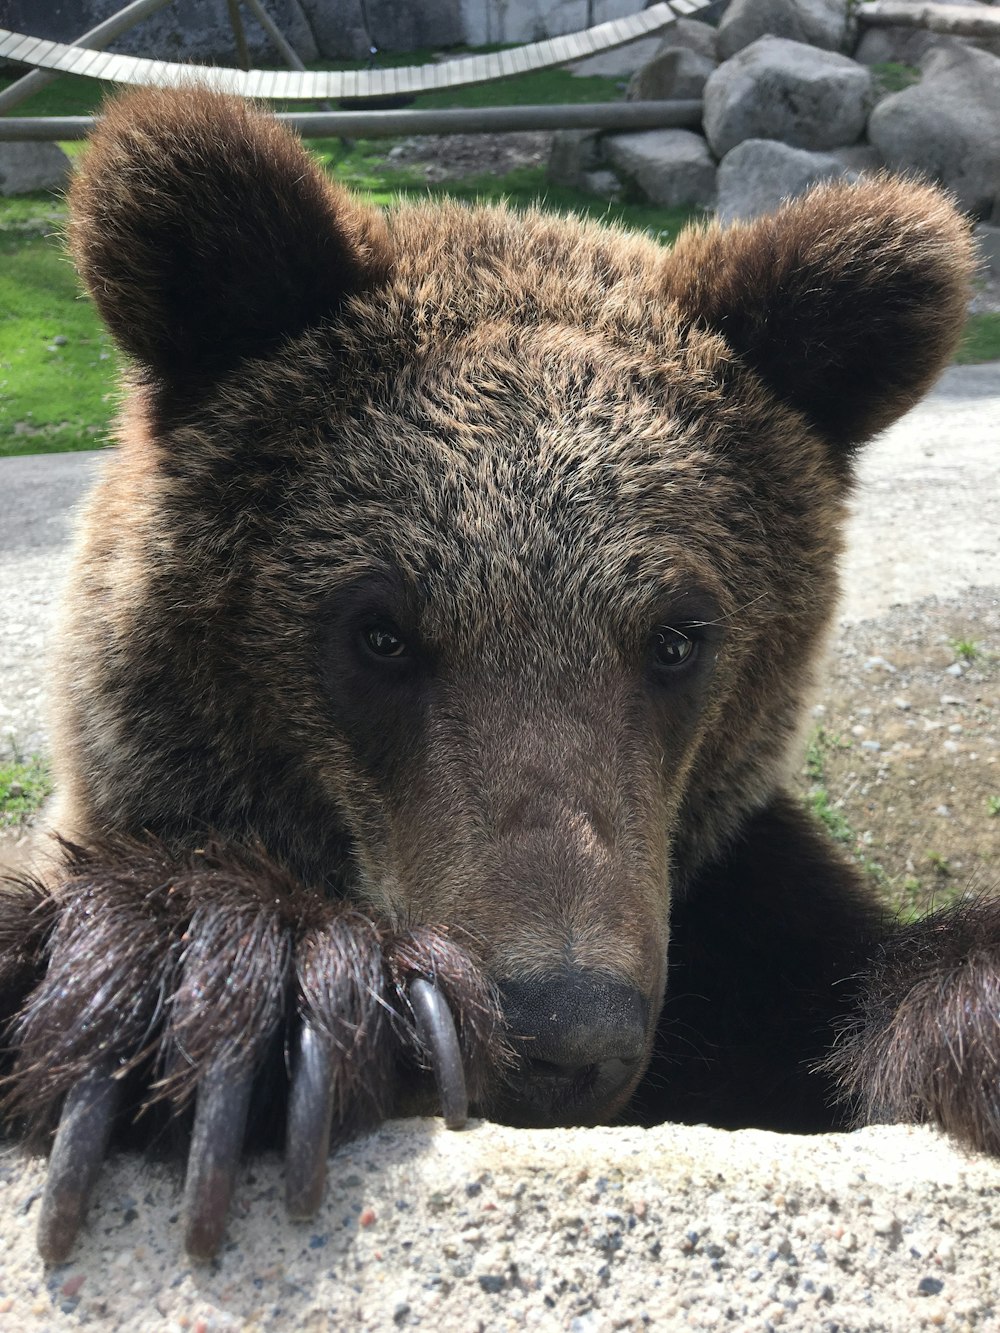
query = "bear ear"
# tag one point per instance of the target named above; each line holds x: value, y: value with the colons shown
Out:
x: 206, y: 234
x: 847, y: 302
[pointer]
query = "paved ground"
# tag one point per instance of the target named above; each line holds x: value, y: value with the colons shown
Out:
x: 886, y: 1231
x: 37, y: 495
x: 927, y: 517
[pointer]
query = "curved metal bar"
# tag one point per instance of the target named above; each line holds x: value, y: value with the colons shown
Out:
x: 436, y: 1029
x: 409, y: 80
x: 77, y: 1155
x: 310, y: 1114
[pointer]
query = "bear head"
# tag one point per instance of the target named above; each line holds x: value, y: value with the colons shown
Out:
x: 474, y: 563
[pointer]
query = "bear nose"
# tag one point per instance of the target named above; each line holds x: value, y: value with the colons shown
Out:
x: 581, y: 1036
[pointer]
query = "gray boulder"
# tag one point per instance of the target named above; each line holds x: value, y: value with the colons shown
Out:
x: 673, y: 73
x: 26, y: 167
x: 777, y: 89
x: 758, y: 174
x: 823, y: 23
x: 988, y: 244
x: 900, y: 46
x: 947, y: 127
x: 859, y: 158
x: 573, y: 153
x: 602, y: 184
x: 669, y: 167
x: 692, y: 35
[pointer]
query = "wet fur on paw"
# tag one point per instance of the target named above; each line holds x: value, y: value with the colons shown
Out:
x: 924, y: 1041
x: 167, y: 965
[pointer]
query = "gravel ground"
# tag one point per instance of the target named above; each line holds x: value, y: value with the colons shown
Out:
x: 886, y: 1230
x: 905, y: 751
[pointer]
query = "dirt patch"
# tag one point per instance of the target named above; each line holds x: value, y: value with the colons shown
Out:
x: 453, y: 156
x: 904, y: 761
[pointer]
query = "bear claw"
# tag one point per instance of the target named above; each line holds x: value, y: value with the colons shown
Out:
x: 75, y: 1163
x: 216, y: 1145
x: 436, y: 1029
x: 310, y: 1115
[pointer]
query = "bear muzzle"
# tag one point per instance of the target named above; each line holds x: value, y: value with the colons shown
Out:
x: 580, y: 1040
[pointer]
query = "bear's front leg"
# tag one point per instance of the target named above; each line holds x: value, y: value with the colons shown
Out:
x: 177, y: 975
x: 794, y: 1003
x: 923, y: 1043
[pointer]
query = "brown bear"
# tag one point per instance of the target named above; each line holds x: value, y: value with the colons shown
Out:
x: 434, y: 659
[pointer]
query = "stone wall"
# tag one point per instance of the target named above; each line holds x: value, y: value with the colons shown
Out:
x: 330, y: 29
x: 183, y: 30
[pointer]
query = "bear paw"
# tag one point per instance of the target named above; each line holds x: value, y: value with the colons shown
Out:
x: 923, y: 1043
x: 178, y: 975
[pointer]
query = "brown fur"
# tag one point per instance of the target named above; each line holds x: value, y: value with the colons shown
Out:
x: 289, y: 246
x: 924, y: 1040
x: 532, y: 447
x: 830, y: 278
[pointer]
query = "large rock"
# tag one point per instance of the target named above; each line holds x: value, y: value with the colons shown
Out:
x: 988, y: 244
x: 669, y: 167
x: 899, y: 46
x: 777, y: 89
x: 692, y: 35
x: 758, y: 174
x: 673, y: 73
x: 572, y: 155
x: 823, y: 23
x: 27, y: 167
x: 947, y: 127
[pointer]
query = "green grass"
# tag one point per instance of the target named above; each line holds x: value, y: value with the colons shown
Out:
x: 821, y: 742
x: 892, y: 77
x: 829, y: 814
x: 967, y: 649
x: 24, y: 785
x: 981, y: 340
x: 54, y: 396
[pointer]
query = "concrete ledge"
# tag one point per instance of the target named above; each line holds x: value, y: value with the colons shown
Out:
x: 493, y: 1228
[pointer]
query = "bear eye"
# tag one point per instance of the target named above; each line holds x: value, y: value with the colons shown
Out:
x: 671, y: 648
x: 383, y: 639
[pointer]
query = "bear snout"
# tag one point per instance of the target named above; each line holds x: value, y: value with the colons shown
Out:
x: 581, y: 1038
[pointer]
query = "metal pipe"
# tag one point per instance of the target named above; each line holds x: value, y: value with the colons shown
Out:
x: 239, y: 36
x: 393, y: 124
x: 289, y: 54
x: 94, y: 40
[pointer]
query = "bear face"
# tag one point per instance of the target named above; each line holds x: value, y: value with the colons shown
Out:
x: 438, y: 640
x: 474, y: 564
